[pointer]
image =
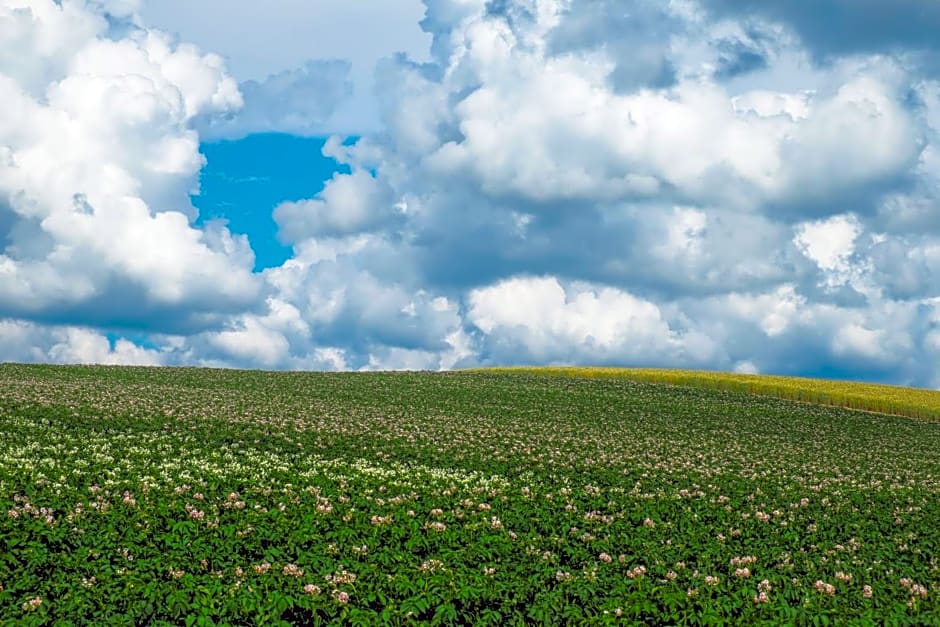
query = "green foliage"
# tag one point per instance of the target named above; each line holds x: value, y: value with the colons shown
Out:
x: 208, y: 497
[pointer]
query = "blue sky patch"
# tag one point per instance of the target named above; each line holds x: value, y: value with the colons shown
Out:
x: 245, y: 179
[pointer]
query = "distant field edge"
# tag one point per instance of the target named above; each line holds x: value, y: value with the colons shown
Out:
x: 872, y: 397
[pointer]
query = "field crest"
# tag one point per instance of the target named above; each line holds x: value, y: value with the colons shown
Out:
x: 872, y: 397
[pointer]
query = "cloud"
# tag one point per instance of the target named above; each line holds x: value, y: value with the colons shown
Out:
x: 349, y: 204
x: 95, y: 208
x: 637, y: 39
x: 703, y: 219
x: 537, y: 320
x: 831, y: 28
x: 634, y: 183
x: 830, y: 244
x: 299, y: 101
x: 27, y: 342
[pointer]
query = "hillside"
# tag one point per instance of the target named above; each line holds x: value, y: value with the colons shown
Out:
x: 169, y: 496
x: 886, y: 399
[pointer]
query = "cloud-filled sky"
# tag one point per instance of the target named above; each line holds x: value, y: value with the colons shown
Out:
x: 750, y: 185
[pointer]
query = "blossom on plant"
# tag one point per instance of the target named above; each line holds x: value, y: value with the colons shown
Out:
x: 824, y: 588
x: 292, y: 570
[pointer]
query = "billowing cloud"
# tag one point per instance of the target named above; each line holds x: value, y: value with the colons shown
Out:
x: 97, y: 161
x: 27, y: 342
x: 349, y: 204
x: 536, y: 320
x: 637, y: 183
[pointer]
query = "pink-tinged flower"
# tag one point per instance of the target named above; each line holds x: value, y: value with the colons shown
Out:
x: 648, y: 522
x: 824, y: 588
x: 562, y: 575
x: 32, y: 604
x: 261, y: 568
x: 867, y: 591
x: 341, y: 577
x: 292, y: 570
x: 341, y: 596
x: 604, y: 557
x: 637, y: 572
x: 761, y: 597
x: 311, y: 589
x: 764, y: 586
x: 711, y: 580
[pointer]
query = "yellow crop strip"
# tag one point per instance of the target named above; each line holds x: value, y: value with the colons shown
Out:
x: 886, y: 399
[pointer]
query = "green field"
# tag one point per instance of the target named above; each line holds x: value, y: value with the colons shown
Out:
x: 887, y: 399
x: 190, y: 496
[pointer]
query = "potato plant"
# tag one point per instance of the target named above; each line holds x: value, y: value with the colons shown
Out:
x: 203, y: 497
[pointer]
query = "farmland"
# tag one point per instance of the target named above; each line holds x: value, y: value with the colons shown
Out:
x: 194, y: 496
x: 888, y: 399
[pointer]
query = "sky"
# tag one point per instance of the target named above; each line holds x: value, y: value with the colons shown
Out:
x: 747, y: 185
